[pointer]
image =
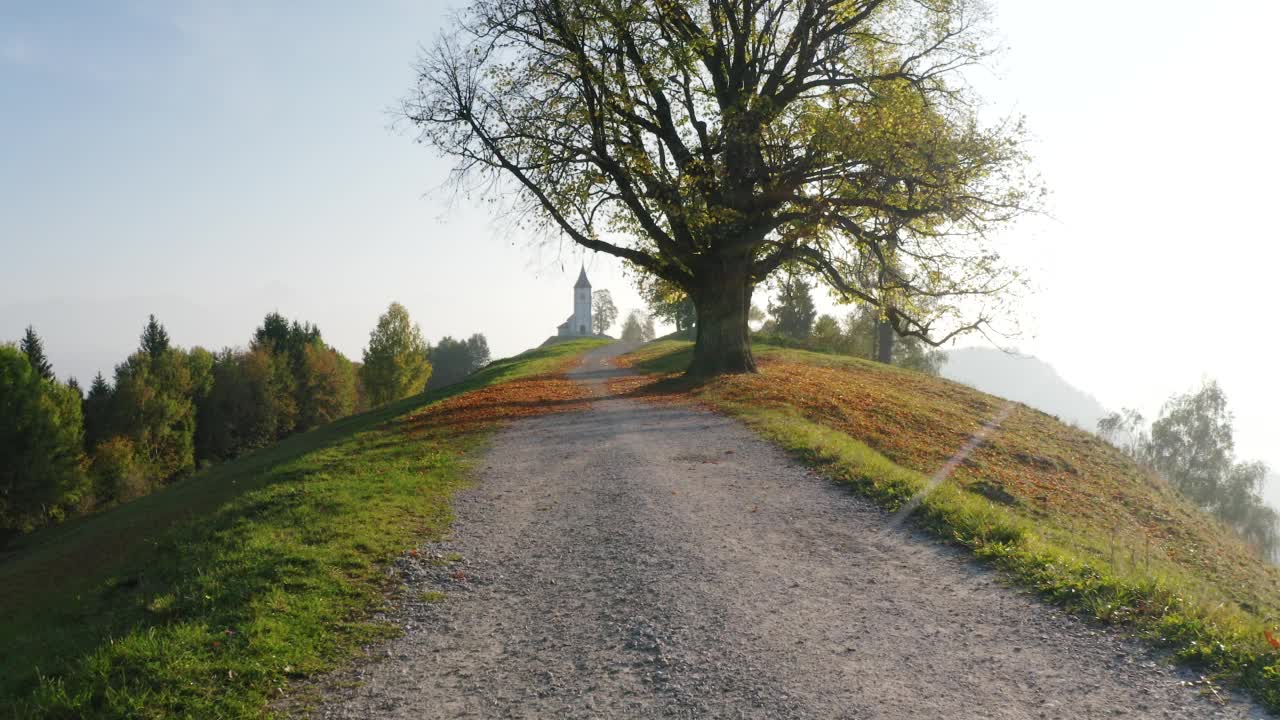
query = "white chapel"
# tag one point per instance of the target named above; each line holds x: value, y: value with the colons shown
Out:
x: 579, y: 323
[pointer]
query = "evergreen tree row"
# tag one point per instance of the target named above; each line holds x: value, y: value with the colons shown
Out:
x: 167, y: 411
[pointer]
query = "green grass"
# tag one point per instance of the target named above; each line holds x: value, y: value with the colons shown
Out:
x: 1054, y: 508
x: 206, y: 598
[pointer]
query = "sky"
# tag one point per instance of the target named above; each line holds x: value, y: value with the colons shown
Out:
x: 211, y: 162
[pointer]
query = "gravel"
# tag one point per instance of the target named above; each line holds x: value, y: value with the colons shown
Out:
x: 645, y: 561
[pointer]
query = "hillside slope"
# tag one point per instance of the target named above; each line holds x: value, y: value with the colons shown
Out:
x: 1056, y: 507
x: 649, y: 561
x: 1028, y: 380
x: 206, y: 598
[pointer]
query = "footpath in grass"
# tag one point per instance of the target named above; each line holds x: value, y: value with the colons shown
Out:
x: 1056, y: 508
x: 205, y: 599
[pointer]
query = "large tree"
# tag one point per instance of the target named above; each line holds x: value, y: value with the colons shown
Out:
x: 709, y: 143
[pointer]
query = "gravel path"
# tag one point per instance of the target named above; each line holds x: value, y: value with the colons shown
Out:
x: 637, y: 561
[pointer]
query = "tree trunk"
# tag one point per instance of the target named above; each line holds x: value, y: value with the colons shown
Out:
x: 884, y: 342
x: 723, y: 302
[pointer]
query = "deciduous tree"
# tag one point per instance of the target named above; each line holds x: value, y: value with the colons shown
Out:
x: 709, y: 143
x: 668, y: 302
x: 116, y: 474
x: 1192, y: 443
x: 452, y: 360
x: 603, y: 311
x: 395, y: 363
x: 153, y: 403
x: 827, y: 335
x: 638, y: 327
x: 153, y: 407
x: 1126, y: 429
x: 327, y: 387
x: 631, y: 330
x: 478, y: 348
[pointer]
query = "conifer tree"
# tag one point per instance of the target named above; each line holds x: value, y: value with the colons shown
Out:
x: 155, y: 339
x: 794, y: 310
x: 97, y: 413
x: 33, y: 348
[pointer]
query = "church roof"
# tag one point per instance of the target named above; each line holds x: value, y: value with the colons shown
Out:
x: 582, y: 280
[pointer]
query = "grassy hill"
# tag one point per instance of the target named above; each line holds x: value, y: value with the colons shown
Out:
x: 1056, y: 508
x: 206, y: 598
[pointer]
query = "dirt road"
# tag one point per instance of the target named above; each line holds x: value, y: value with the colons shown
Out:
x: 639, y: 561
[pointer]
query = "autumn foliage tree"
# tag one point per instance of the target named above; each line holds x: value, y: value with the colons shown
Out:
x: 709, y: 143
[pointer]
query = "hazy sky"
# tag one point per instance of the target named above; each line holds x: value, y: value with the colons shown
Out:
x: 212, y: 161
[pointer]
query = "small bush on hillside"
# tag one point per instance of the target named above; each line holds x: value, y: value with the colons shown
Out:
x: 117, y: 477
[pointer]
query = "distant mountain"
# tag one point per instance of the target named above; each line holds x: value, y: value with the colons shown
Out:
x: 1024, y: 379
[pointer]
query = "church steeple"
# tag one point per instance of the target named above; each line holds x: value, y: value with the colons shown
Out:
x: 579, y: 323
x: 582, y: 304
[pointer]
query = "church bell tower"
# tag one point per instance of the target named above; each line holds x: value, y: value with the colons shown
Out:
x: 582, y: 305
